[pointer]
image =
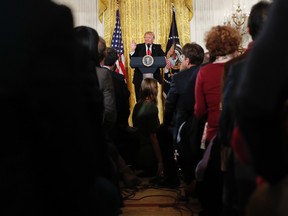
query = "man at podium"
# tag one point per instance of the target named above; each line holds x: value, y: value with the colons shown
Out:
x: 141, y: 50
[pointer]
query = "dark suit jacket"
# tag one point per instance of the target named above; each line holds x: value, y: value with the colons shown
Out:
x: 140, y: 51
x: 179, y: 107
x: 180, y: 99
x: 122, y: 95
x: 260, y: 97
x: 228, y: 65
x: 230, y: 78
x: 107, y: 87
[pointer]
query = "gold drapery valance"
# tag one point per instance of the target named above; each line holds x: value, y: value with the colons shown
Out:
x: 139, y: 16
x: 103, y: 6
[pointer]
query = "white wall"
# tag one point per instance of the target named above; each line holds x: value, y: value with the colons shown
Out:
x: 206, y: 14
x: 85, y: 12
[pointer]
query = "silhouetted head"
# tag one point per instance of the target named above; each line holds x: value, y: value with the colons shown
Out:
x: 257, y: 18
x: 87, y: 40
x: 111, y: 56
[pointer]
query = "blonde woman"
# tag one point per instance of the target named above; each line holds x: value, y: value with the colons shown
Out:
x: 145, y: 118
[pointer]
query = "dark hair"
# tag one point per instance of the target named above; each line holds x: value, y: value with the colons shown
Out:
x: 194, y: 52
x: 111, y: 57
x: 257, y: 18
x: 87, y: 44
x: 102, y: 48
x: 148, y: 90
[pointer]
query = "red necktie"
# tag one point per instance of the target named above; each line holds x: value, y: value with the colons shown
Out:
x: 148, y: 52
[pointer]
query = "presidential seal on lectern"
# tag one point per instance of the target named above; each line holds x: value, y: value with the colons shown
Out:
x: 148, y: 60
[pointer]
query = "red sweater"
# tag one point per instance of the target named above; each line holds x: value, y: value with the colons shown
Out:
x: 208, y: 96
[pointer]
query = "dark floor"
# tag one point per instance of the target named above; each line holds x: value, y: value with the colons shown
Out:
x: 149, y: 200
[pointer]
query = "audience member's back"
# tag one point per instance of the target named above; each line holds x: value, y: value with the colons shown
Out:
x: 122, y: 136
x: 240, y: 179
x: 261, y: 97
x: 48, y: 143
x: 122, y: 93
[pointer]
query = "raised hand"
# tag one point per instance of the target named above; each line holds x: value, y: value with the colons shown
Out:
x: 133, y: 46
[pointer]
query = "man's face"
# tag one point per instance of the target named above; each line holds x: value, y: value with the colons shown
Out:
x: 148, y: 38
x: 185, y: 62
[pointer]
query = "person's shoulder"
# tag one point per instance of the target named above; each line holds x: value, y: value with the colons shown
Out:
x: 195, y: 70
x: 237, y: 66
x: 154, y: 108
x: 137, y: 107
x: 118, y: 76
x: 233, y: 61
x: 178, y: 78
x: 205, y: 68
x: 102, y: 69
x: 151, y: 105
x: 147, y: 108
x: 157, y: 45
x: 208, y: 66
x: 179, y: 75
x: 140, y: 45
x: 103, y: 73
x: 187, y: 72
x: 205, y: 64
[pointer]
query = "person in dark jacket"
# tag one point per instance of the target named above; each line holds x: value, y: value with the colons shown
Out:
x: 179, y: 107
x: 239, y: 177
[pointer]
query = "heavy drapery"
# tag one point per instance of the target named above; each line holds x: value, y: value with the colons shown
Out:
x: 139, y: 16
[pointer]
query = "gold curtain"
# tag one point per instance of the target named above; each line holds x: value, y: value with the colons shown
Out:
x: 139, y: 16
x: 102, y: 8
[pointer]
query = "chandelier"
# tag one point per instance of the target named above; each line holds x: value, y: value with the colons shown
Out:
x: 238, y: 19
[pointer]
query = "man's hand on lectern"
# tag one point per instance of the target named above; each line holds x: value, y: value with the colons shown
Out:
x: 168, y: 64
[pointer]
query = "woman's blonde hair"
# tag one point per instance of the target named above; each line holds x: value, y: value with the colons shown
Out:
x: 149, y: 90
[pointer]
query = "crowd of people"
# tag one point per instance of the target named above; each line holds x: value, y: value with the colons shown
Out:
x: 66, y: 141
